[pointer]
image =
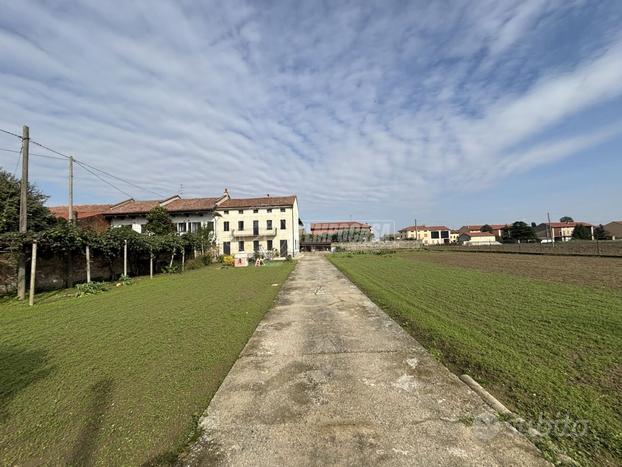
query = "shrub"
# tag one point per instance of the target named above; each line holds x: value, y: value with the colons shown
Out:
x: 174, y: 269
x: 228, y: 260
x: 289, y: 258
x: 195, y: 263
x: 125, y: 280
x: 90, y: 288
x: 206, y: 259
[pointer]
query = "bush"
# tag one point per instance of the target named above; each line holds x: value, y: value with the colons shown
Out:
x: 206, y: 259
x: 196, y: 263
x: 90, y: 288
x: 174, y: 269
x: 125, y: 280
x: 289, y: 258
x: 228, y: 260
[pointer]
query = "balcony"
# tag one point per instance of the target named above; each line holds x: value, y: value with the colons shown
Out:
x: 253, y: 233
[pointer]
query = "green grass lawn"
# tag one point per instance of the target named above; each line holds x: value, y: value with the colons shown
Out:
x: 121, y: 377
x: 542, y: 348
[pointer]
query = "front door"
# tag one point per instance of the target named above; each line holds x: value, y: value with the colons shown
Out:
x: 226, y: 248
x: 283, y: 249
x: 255, y: 227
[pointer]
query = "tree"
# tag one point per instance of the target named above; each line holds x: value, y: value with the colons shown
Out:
x: 486, y: 228
x: 566, y: 219
x: 600, y: 233
x: 582, y: 232
x: 519, y: 232
x: 39, y: 217
x: 159, y: 222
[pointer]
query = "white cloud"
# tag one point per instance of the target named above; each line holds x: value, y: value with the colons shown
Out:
x: 383, y: 104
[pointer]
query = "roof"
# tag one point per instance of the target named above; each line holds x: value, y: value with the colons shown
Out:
x: 263, y: 202
x: 560, y: 225
x: 478, y: 234
x: 192, y: 204
x: 339, y: 225
x: 478, y: 227
x: 422, y: 228
x: 133, y: 207
x: 172, y: 204
x: 81, y: 211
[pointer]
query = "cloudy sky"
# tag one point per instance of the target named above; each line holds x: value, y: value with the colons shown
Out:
x: 449, y: 112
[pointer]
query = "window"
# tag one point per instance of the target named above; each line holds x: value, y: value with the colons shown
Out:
x: 435, y: 234
x: 283, y: 224
x: 142, y: 228
x: 240, y: 225
x: 269, y: 224
x: 240, y: 246
x: 444, y: 233
x: 225, y: 226
x: 195, y: 226
x: 181, y: 227
x: 269, y: 245
x: 240, y: 211
x: 269, y: 210
x: 226, y: 211
x: 282, y: 209
x: 255, y: 245
x: 226, y: 248
x: 255, y: 211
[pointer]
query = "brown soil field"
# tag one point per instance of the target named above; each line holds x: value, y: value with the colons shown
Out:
x: 589, y: 271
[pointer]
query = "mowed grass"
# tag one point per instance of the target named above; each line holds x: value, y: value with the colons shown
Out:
x: 545, y: 349
x: 120, y: 378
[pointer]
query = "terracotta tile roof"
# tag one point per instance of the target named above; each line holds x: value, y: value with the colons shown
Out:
x: 559, y: 225
x: 422, y: 228
x: 81, y: 211
x: 477, y: 228
x: 263, y: 202
x: 192, y: 204
x: 133, y: 207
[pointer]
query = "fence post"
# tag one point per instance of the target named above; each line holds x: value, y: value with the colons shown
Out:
x: 151, y: 264
x: 183, y: 259
x: 125, y: 258
x: 88, y: 264
x: 33, y: 272
x: 597, y: 247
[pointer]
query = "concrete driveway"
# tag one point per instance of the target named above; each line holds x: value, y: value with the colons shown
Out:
x: 329, y: 379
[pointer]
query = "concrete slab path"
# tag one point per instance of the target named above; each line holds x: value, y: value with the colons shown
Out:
x: 329, y: 379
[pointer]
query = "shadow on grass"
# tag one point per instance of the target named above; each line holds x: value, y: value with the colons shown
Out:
x: 19, y: 368
x: 100, y: 399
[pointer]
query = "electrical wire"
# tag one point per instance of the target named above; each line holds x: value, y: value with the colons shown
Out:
x: 10, y: 133
x: 33, y: 154
x: 121, y: 179
x: 102, y: 179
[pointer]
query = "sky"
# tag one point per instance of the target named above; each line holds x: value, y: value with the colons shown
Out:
x: 450, y: 113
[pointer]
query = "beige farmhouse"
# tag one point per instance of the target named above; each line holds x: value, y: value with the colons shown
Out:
x: 428, y: 235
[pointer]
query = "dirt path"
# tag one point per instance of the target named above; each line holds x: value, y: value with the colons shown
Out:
x: 330, y: 379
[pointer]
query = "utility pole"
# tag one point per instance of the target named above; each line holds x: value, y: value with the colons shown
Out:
x: 70, y: 191
x: 23, y: 213
x: 416, y: 231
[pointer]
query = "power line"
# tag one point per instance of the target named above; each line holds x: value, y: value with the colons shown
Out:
x: 33, y: 154
x: 49, y: 149
x: 102, y: 179
x: 10, y: 133
x: 119, y: 178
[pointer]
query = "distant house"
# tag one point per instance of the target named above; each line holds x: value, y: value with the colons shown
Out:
x: 497, y: 229
x: 86, y: 215
x: 477, y: 238
x: 614, y: 230
x: 559, y: 231
x: 428, y: 235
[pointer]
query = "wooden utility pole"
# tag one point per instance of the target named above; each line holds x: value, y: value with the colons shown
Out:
x: 33, y: 273
x: 416, y: 231
x: 70, y: 191
x: 88, y: 264
x: 548, y: 216
x: 23, y: 213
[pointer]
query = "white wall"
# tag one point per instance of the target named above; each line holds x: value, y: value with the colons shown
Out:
x: 136, y: 222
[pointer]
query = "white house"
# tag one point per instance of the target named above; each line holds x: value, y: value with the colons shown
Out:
x: 187, y: 214
x: 428, y: 235
x: 268, y: 225
x: 477, y: 238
